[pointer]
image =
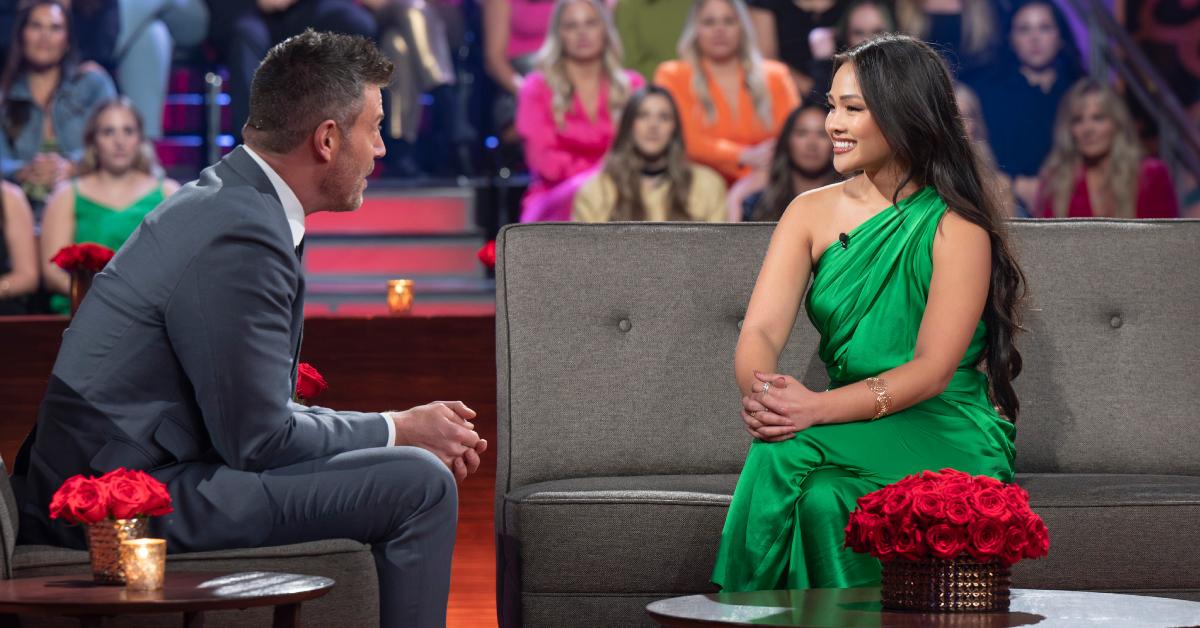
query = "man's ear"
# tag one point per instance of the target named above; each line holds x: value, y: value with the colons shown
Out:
x: 326, y: 140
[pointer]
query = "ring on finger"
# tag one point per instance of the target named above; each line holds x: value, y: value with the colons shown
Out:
x: 766, y: 387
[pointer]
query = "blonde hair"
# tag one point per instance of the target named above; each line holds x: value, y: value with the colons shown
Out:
x: 751, y: 60
x: 1059, y: 174
x: 550, y: 60
x: 979, y: 30
x: 145, y: 161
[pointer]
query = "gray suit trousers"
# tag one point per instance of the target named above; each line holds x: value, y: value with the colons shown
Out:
x: 401, y: 500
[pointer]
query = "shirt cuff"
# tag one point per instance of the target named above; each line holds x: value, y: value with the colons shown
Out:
x: 391, y: 427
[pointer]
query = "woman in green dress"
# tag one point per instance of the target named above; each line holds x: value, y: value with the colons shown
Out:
x: 119, y: 183
x: 914, y: 292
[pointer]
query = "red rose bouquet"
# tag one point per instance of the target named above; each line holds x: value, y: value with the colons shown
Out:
x: 487, y: 254
x: 309, y: 383
x: 83, y: 257
x: 118, y: 494
x: 944, y: 515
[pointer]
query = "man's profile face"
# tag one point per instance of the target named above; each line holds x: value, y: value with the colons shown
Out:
x: 361, y: 145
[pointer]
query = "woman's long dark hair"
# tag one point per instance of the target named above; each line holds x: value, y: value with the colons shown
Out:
x: 624, y: 164
x: 909, y: 93
x: 780, y: 189
x: 16, y: 114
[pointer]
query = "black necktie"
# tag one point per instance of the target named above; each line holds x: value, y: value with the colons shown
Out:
x: 300, y: 250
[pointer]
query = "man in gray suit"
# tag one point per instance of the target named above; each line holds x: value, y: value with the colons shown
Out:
x: 182, y: 359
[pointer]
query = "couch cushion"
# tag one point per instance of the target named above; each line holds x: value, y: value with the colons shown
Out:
x: 1115, y: 532
x: 659, y: 534
x: 649, y: 535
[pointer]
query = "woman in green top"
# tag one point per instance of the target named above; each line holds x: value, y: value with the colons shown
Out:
x: 117, y: 186
x: 913, y: 290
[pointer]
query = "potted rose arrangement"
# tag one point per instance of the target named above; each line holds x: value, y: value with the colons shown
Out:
x: 82, y: 262
x: 947, y: 540
x: 115, y: 507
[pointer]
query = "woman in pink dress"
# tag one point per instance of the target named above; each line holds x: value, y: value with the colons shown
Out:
x: 1096, y: 167
x: 567, y: 108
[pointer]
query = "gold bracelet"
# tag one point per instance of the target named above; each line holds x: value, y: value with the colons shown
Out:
x: 883, y: 398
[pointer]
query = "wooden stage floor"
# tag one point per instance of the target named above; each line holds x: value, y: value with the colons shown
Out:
x: 370, y: 364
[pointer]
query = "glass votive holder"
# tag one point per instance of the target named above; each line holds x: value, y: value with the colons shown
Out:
x: 145, y: 563
x: 400, y: 296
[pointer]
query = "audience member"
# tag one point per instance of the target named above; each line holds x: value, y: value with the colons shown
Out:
x: 803, y: 161
x: 964, y: 32
x: 513, y: 31
x: 783, y: 29
x: 1020, y: 95
x: 732, y: 102
x: 45, y: 97
x: 244, y: 31
x: 418, y: 36
x: 1096, y: 167
x: 118, y: 184
x: 971, y: 113
x: 862, y: 20
x: 647, y: 175
x: 649, y: 31
x: 149, y: 32
x: 567, y: 107
x: 18, y: 251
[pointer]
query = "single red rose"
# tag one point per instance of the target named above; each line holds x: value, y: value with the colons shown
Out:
x: 127, y: 494
x: 991, y: 503
x: 872, y: 502
x: 959, y: 512
x: 882, y: 541
x: 907, y: 541
x: 309, y: 382
x: 984, y: 481
x: 84, y: 500
x: 946, y: 541
x: 1015, y: 543
x: 58, y: 503
x: 159, y: 501
x: 928, y: 503
x: 897, y: 503
x: 1018, y: 500
x: 958, y: 487
x: 487, y: 254
x: 86, y: 256
x: 1038, y: 537
x: 987, y: 538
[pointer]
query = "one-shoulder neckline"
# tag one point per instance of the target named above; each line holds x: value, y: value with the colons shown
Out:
x: 862, y: 225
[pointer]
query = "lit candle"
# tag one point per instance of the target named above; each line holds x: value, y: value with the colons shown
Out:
x: 400, y: 296
x: 144, y: 562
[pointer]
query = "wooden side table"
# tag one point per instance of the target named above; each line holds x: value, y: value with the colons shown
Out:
x: 190, y: 593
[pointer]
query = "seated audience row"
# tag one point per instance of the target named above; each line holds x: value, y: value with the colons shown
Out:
x: 118, y: 181
x: 730, y: 101
x: 567, y: 108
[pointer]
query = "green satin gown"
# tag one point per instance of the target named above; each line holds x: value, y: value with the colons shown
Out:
x: 786, y: 524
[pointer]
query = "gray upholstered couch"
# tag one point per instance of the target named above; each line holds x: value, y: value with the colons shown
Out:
x: 354, y: 600
x: 620, y: 442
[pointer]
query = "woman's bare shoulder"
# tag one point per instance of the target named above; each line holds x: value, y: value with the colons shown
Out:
x: 815, y: 206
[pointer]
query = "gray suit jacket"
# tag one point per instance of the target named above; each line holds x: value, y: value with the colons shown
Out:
x: 181, y: 362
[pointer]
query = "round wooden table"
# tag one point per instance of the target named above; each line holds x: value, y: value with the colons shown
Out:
x: 830, y: 608
x: 190, y: 593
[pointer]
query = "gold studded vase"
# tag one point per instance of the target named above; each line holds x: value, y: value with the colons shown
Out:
x: 937, y: 585
x: 104, y: 546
